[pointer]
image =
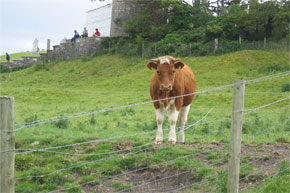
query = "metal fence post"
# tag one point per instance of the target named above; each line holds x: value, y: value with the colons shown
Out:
x: 236, y: 137
x: 7, y: 142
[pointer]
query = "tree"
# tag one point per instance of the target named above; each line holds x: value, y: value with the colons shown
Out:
x: 149, y: 23
x: 281, y: 21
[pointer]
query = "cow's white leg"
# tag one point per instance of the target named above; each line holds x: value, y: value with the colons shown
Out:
x: 183, y: 119
x: 172, y: 118
x: 159, y: 120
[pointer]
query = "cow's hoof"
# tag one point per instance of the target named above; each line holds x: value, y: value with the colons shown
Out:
x: 172, y: 142
x: 181, y: 139
x: 158, y: 142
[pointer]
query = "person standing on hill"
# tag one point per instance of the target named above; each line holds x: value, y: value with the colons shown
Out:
x: 7, y: 57
x: 97, y: 33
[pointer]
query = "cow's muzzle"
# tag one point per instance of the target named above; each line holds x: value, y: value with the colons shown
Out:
x: 166, y: 87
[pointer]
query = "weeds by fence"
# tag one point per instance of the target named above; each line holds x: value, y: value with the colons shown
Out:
x: 149, y: 49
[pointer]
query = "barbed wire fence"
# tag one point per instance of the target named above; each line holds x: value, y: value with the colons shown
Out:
x: 127, y: 152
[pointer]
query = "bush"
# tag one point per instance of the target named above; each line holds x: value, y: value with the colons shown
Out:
x: 31, y: 118
x: 85, y: 59
x: 93, y: 120
x: 4, y: 69
x: 202, y: 49
x: 285, y: 87
x: 169, y: 44
x: 62, y: 124
x: 273, y: 68
x: 221, y: 184
x: 40, y: 66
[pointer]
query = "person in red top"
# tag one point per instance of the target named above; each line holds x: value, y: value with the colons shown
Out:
x: 97, y: 33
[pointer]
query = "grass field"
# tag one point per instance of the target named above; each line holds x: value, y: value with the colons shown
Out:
x: 89, y: 84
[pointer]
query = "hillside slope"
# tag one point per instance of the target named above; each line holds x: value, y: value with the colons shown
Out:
x: 112, y: 80
x: 81, y: 88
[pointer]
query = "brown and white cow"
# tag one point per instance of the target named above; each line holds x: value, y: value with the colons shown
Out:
x: 171, y: 78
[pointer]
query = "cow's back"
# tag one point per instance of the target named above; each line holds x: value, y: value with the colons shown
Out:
x: 189, y: 85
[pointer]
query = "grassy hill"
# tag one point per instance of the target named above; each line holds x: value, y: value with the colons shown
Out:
x: 64, y: 88
x: 18, y: 56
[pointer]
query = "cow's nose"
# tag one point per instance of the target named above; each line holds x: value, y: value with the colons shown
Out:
x: 165, y: 87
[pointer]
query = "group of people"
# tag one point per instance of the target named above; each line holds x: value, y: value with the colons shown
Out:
x: 85, y: 34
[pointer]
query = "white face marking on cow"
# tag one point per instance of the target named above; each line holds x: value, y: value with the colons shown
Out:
x: 164, y: 60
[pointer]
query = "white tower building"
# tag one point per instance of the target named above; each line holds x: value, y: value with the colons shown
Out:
x: 110, y: 16
x: 100, y: 18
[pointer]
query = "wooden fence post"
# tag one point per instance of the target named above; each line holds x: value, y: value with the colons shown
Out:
x: 143, y: 50
x: 236, y: 137
x: 216, y: 44
x: 7, y: 142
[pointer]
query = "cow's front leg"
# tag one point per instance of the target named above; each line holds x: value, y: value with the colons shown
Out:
x: 159, y: 120
x: 172, y: 118
x: 183, y: 118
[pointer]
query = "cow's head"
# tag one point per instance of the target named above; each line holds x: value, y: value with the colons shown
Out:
x: 165, y: 67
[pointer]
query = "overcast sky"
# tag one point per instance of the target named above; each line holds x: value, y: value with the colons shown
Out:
x: 21, y: 21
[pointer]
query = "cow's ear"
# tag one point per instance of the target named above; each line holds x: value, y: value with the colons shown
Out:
x: 152, y: 65
x: 178, y: 64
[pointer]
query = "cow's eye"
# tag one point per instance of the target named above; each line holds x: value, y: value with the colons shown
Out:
x: 173, y: 72
x: 158, y: 72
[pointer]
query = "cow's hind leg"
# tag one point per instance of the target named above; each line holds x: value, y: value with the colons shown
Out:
x: 172, y: 118
x: 183, y: 119
x: 159, y: 120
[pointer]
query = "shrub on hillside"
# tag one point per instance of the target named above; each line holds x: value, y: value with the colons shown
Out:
x: 4, y: 69
x: 169, y: 44
x: 31, y: 118
x: 286, y: 87
x: 273, y: 68
x: 62, y: 124
x: 40, y: 66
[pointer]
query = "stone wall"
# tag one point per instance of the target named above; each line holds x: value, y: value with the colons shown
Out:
x: 25, y: 61
x: 67, y: 51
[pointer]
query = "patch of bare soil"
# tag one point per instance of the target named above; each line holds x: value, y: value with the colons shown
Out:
x: 264, y: 159
x: 162, y: 179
